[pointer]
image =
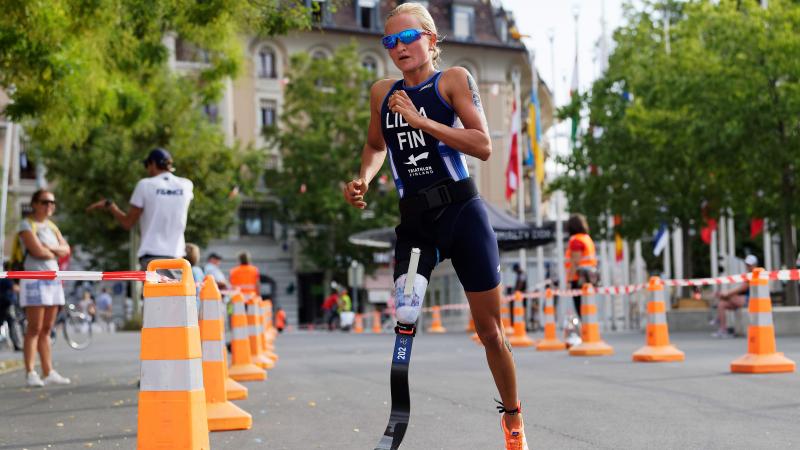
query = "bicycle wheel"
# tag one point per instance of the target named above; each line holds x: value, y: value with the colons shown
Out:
x: 78, y: 330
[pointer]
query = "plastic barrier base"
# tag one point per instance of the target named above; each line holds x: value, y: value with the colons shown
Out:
x: 234, y: 390
x: 661, y: 353
x: 262, y: 361
x: 521, y: 341
x: 164, y: 423
x: 772, y: 363
x: 227, y: 416
x: 247, y: 372
x: 550, y: 345
x: 436, y: 329
x: 599, y: 348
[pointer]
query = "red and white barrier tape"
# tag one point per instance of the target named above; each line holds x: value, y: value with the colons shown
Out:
x: 64, y: 275
x: 776, y: 275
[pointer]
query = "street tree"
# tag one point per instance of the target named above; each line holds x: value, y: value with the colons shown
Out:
x: 92, y: 86
x: 320, y: 135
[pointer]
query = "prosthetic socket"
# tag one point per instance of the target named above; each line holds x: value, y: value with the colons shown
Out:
x: 408, y: 307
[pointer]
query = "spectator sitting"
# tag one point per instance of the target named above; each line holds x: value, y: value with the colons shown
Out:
x: 733, y: 300
x: 105, y: 310
x: 86, y: 305
x: 212, y: 268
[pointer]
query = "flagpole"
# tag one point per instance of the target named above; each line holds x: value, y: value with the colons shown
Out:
x: 4, y: 199
x: 637, y: 261
x: 562, y: 278
x: 515, y: 76
x: 767, y: 242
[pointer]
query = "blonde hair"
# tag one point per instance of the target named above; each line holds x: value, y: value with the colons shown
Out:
x: 425, y: 19
x: 192, y: 254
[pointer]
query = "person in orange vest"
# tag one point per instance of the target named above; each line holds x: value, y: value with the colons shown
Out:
x: 280, y: 319
x: 245, y: 276
x: 581, y: 257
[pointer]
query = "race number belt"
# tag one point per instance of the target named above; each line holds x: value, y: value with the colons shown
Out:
x: 438, y: 196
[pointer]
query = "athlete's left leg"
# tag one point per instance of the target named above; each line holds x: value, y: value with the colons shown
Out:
x: 476, y: 260
x: 485, y: 307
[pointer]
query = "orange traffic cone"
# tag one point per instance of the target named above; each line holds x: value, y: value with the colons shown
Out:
x: 233, y: 389
x: 470, y: 325
x: 358, y: 325
x: 242, y: 367
x: 658, y: 348
x: 761, y: 356
x: 592, y: 344
x: 471, y: 328
x: 172, y: 401
x: 376, y: 322
x: 520, y: 337
x: 436, y: 322
x: 254, y: 329
x: 269, y: 331
x: 222, y: 414
x: 505, y: 317
x: 269, y: 327
x: 550, y: 341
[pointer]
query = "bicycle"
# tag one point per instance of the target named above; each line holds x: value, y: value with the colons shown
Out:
x: 76, y: 326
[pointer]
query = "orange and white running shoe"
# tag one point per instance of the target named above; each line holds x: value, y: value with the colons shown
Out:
x: 515, y: 437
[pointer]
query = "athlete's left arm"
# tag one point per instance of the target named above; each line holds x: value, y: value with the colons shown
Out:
x: 459, y: 88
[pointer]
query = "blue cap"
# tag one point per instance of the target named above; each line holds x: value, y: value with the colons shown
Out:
x: 161, y: 157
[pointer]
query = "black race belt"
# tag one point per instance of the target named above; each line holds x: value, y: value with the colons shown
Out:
x: 438, y: 196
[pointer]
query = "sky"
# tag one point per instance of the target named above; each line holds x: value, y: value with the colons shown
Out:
x: 539, y: 18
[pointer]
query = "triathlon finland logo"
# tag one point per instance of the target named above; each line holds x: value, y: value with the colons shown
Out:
x: 414, y: 159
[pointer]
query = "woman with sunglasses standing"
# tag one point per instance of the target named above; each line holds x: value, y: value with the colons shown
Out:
x: 428, y: 121
x: 43, y: 244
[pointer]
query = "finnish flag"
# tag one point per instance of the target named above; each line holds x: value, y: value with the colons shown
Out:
x: 660, y: 239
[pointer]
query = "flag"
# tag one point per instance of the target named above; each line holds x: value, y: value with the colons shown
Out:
x: 705, y: 232
x: 512, y: 171
x: 573, y: 91
x: 535, y: 133
x: 756, y: 227
x: 660, y: 239
x: 618, y: 246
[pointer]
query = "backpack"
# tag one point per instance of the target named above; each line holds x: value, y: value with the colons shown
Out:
x: 19, y: 252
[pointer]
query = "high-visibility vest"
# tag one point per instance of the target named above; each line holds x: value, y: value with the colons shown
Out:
x: 589, y: 258
x: 280, y: 319
x: 245, y: 277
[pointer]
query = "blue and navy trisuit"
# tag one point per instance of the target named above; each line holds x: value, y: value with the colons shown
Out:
x: 459, y: 231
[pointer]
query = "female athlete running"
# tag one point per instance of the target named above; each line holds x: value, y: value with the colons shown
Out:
x: 428, y: 121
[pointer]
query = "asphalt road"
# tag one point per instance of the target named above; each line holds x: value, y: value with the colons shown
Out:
x: 331, y: 391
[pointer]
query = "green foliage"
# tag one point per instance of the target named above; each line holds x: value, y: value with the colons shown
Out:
x: 712, y: 124
x: 90, y: 81
x: 322, y: 130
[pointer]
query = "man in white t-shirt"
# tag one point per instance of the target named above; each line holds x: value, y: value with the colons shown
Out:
x: 160, y: 203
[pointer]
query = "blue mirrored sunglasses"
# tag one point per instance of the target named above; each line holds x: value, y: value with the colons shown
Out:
x: 405, y: 36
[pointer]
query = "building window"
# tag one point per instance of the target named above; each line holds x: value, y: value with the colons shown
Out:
x: 268, y: 113
x: 266, y: 63
x: 27, y: 168
x: 421, y: 2
x: 188, y: 52
x: 212, y: 112
x: 370, y: 64
x: 254, y: 220
x: 463, y: 22
x: 366, y: 13
x: 319, y: 11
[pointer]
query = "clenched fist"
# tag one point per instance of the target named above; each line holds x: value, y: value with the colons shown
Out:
x: 354, y: 192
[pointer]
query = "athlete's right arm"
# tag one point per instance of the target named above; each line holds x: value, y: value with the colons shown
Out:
x: 374, y: 152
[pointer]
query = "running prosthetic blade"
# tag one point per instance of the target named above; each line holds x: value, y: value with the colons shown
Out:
x: 401, y: 402
x: 398, y: 379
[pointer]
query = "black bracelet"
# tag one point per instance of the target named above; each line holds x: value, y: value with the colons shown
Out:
x: 108, y: 204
